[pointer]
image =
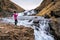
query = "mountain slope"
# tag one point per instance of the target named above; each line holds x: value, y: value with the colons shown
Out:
x: 6, y: 7
x: 53, y: 6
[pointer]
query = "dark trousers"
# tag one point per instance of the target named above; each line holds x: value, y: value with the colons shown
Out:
x: 16, y: 21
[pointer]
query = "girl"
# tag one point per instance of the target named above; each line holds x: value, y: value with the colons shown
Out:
x: 15, y: 17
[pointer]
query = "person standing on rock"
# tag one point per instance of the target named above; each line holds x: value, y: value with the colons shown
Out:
x: 15, y: 17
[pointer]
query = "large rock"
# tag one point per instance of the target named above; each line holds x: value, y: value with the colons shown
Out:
x: 55, y: 28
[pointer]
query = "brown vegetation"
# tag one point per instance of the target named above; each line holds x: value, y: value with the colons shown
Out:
x: 12, y: 32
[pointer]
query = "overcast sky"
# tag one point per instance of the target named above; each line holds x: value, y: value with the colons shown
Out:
x: 28, y: 4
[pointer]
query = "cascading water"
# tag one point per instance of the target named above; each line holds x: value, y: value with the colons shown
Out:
x: 43, y: 32
x: 30, y: 12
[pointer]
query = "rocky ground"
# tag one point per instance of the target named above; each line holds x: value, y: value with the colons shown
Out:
x: 12, y: 32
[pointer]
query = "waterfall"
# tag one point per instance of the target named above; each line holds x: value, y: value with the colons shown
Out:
x: 43, y: 32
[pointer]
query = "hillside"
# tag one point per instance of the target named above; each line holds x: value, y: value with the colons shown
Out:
x: 7, y: 7
x: 44, y: 4
x: 46, y: 8
x: 53, y: 6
